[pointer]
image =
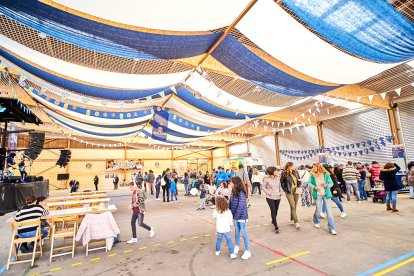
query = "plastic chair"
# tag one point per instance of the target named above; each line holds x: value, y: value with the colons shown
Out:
x: 16, y: 242
x: 69, y: 230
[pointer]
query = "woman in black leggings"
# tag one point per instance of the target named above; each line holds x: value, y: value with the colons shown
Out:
x: 273, y: 190
x: 166, y: 187
x: 138, y: 212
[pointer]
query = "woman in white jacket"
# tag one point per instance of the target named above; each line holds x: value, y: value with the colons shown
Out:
x: 257, y: 181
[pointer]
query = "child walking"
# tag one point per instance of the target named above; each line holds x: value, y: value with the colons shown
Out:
x: 238, y: 207
x: 224, y: 220
x: 173, y: 190
x: 203, y: 192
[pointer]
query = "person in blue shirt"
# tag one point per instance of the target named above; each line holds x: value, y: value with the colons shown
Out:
x: 232, y: 173
x: 221, y: 176
x: 173, y: 190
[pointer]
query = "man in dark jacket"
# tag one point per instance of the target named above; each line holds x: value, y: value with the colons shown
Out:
x: 96, y: 182
x: 166, y: 187
x: 151, y: 181
x: 116, y: 181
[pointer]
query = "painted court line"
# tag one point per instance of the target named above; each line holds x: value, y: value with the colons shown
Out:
x: 394, y: 267
x: 112, y: 255
x: 143, y: 248
x: 127, y: 251
x: 95, y: 259
x: 288, y: 257
x: 76, y: 264
x: 55, y: 269
x: 387, y: 264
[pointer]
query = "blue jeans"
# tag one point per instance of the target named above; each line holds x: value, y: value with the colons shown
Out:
x: 338, y: 203
x: 362, y: 192
x: 228, y: 240
x: 392, y: 195
x: 241, y: 226
x: 324, y: 200
x: 33, y: 234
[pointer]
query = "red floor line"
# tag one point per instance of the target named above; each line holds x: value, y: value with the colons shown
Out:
x: 280, y: 253
x: 284, y: 255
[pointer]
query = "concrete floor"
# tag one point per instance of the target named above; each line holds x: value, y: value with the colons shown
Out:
x: 184, y: 243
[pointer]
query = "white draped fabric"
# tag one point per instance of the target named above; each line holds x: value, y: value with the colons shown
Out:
x: 177, y: 15
x: 90, y: 75
x: 280, y: 35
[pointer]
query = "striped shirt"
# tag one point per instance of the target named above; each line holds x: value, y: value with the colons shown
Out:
x: 350, y: 174
x: 29, y: 212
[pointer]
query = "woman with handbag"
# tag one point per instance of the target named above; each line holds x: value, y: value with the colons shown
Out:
x: 391, y: 185
x: 273, y: 191
x: 304, y: 178
x: 321, y: 183
x: 336, y: 193
x: 291, y: 186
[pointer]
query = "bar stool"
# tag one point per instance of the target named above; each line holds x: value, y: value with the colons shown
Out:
x: 16, y: 242
x: 69, y: 230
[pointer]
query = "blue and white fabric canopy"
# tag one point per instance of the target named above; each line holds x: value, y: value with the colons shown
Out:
x: 268, y: 53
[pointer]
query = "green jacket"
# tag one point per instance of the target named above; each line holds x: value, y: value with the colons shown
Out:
x: 328, y: 181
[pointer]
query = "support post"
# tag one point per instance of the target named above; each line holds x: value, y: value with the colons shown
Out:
x: 211, y: 161
x: 395, y: 131
x: 67, y: 166
x: 227, y: 151
x: 277, y: 148
x: 320, y: 134
x: 125, y: 159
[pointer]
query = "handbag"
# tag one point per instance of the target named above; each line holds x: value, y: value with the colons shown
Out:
x: 298, y: 191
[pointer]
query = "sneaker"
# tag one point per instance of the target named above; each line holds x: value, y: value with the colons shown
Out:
x: 343, y: 215
x: 203, y: 208
x: 133, y: 240
x: 297, y: 225
x: 359, y: 201
x: 246, y: 255
x: 292, y: 223
x: 152, y: 232
x: 232, y: 256
x: 322, y: 215
x: 176, y: 201
x: 213, y: 207
x: 277, y: 231
x: 317, y: 226
x: 236, y: 249
x: 217, y: 253
x: 349, y: 201
x: 198, y: 209
x: 157, y: 199
x: 333, y: 232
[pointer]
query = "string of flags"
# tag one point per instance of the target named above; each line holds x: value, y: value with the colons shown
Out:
x: 353, y: 149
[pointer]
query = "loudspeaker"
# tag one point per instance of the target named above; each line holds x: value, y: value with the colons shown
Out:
x: 37, y: 141
x: 64, y: 158
x: 30, y: 178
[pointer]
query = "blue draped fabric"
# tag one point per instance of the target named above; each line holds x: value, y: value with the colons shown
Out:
x: 185, y: 95
x: 85, y: 89
x: 372, y: 29
x: 235, y: 56
x: 160, y: 124
x: 185, y: 123
x: 169, y: 131
x: 166, y: 141
x: 104, y: 38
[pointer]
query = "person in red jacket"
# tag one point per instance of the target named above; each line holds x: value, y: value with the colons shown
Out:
x: 375, y: 170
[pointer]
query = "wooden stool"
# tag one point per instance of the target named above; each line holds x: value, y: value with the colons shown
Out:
x: 16, y: 242
x: 67, y: 231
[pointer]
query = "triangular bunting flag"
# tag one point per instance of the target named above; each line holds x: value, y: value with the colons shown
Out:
x: 398, y: 91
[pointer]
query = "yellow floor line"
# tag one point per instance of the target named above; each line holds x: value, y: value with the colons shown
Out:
x: 157, y: 244
x: 392, y: 268
x: 95, y: 259
x: 143, y: 248
x: 55, y: 269
x: 112, y: 255
x: 193, y: 238
x: 127, y: 251
x: 207, y: 235
x: 76, y: 264
x: 170, y: 242
x: 287, y: 258
x: 183, y: 239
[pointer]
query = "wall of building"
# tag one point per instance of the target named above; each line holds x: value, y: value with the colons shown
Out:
x: 406, y: 111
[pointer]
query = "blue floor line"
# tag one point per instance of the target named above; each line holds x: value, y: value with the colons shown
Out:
x: 387, y: 264
x: 3, y: 268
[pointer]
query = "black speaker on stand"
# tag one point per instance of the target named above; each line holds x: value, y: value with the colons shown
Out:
x: 64, y: 158
x: 37, y: 141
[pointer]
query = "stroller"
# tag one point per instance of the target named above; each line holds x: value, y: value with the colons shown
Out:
x: 379, y: 192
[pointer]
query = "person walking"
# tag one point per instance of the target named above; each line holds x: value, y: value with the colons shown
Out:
x: 257, y: 181
x: 388, y: 175
x: 221, y: 176
x: 238, y: 207
x: 203, y: 193
x: 273, y: 191
x: 186, y: 181
x: 138, y: 211
x: 321, y: 183
x: 224, y: 220
x: 96, y: 182
x: 410, y: 178
x: 336, y: 193
x: 304, y: 178
x: 173, y: 190
x: 291, y: 186
x: 351, y: 176
x: 158, y: 187
x: 139, y: 179
x: 245, y: 178
x: 116, y: 181
x: 166, y: 186
x: 362, y: 181
x: 151, y: 181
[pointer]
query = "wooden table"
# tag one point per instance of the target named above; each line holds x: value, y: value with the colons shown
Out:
x: 75, y: 197
x: 87, y: 193
x: 78, y: 212
x: 78, y: 202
